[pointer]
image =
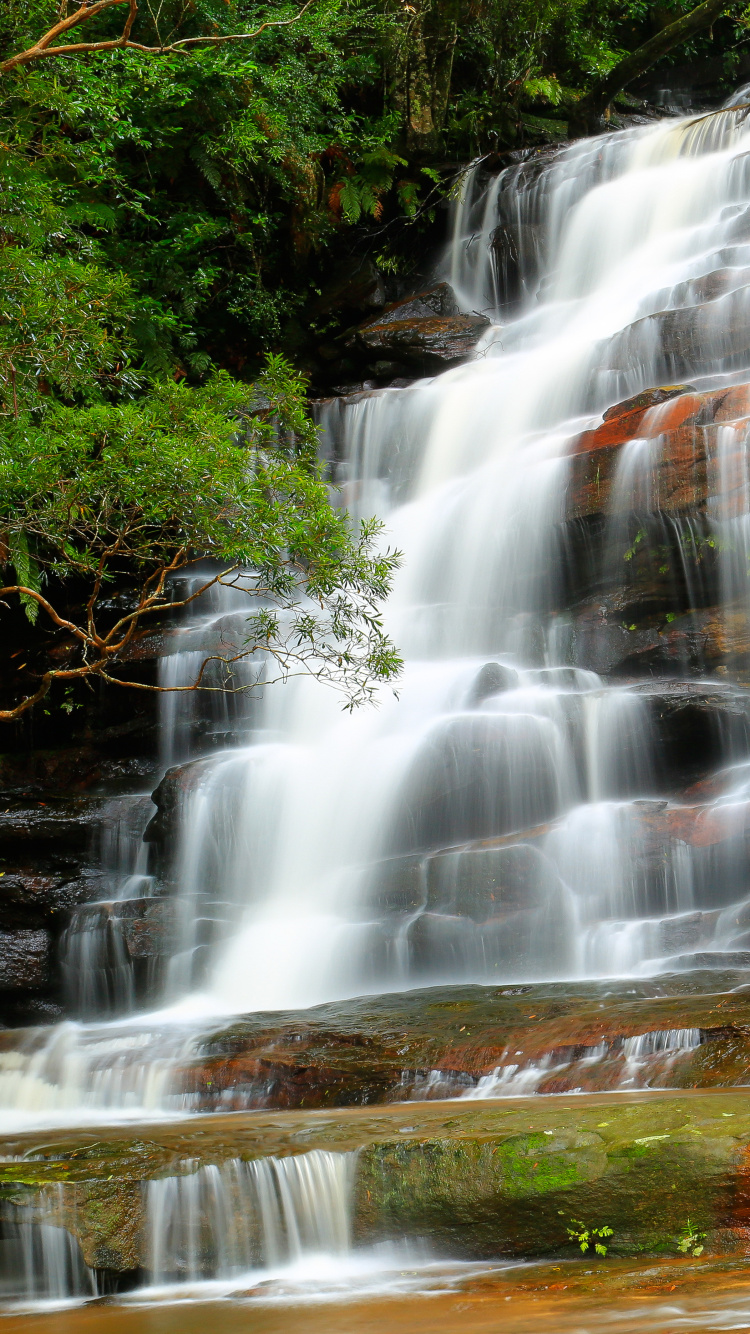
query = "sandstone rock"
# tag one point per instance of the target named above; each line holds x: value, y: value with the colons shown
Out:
x: 464, y: 784
x: 61, y: 824
x: 30, y: 898
x: 618, y: 636
x: 439, y: 1041
x: 493, y: 678
x: 689, y: 339
x: 438, y: 300
x: 169, y: 797
x: 649, y: 398
x: 24, y: 960
x: 678, y: 474
x: 146, y: 927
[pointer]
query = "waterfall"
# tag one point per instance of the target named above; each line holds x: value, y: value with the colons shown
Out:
x: 41, y: 1261
x: 524, y: 808
x: 217, y: 1222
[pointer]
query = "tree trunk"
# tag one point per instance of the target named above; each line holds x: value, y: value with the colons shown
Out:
x: 586, y: 116
x: 421, y: 71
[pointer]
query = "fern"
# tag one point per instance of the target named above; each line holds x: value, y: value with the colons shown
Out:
x: 27, y: 572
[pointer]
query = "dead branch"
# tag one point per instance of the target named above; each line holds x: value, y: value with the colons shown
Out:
x: 44, y: 48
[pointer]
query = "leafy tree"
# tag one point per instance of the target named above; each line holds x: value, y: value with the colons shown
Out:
x: 142, y: 489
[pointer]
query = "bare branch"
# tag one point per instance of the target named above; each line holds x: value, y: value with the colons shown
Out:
x: 43, y: 49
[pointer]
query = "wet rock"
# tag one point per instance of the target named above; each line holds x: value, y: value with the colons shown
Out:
x: 713, y: 959
x: 64, y: 824
x: 464, y: 784
x: 492, y: 679
x: 24, y: 960
x: 169, y: 798
x: 689, y: 339
x: 146, y: 927
x: 697, y: 726
x: 426, y: 330
x: 564, y: 1036
x: 682, y: 468
x: 472, y: 1180
x: 28, y: 897
x: 622, y: 636
x: 114, y: 955
x: 480, y: 881
x: 431, y: 342
x: 438, y: 300
x: 648, y: 398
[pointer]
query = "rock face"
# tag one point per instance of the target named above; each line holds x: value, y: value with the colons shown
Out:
x: 114, y: 954
x: 646, y: 576
x: 674, y: 1031
x: 25, y: 960
x: 46, y: 849
x: 683, y: 467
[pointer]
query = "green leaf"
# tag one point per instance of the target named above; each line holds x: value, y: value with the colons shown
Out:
x: 27, y: 571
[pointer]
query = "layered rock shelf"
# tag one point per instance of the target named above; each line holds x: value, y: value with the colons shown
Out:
x: 493, y: 1179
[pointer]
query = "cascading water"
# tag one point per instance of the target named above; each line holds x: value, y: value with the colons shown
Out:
x: 511, y: 814
x: 371, y: 877
x: 218, y: 1222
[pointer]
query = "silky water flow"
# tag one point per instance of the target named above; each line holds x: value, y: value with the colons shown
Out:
x: 496, y: 819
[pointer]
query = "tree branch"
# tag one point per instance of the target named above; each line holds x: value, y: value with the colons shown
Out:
x: 585, y: 115
x: 43, y: 49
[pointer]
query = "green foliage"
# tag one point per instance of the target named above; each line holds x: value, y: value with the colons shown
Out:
x: 151, y: 484
x: 631, y: 551
x: 585, y: 1236
x: 26, y: 570
x: 177, y: 198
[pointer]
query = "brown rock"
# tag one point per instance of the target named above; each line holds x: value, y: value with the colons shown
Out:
x: 438, y: 341
x: 681, y: 471
x: 24, y: 960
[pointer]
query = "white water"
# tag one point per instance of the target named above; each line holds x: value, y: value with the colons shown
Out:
x: 305, y: 834
x: 328, y: 855
x: 217, y: 1222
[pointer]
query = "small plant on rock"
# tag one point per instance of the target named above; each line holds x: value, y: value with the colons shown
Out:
x: 691, y: 1241
x: 585, y: 1236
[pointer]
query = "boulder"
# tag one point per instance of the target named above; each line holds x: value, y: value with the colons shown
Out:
x: 169, y: 797
x: 426, y: 330
x: 438, y: 300
x: 431, y: 343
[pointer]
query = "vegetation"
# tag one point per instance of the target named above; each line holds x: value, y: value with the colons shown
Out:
x: 147, y: 485
x: 584, y: 1236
